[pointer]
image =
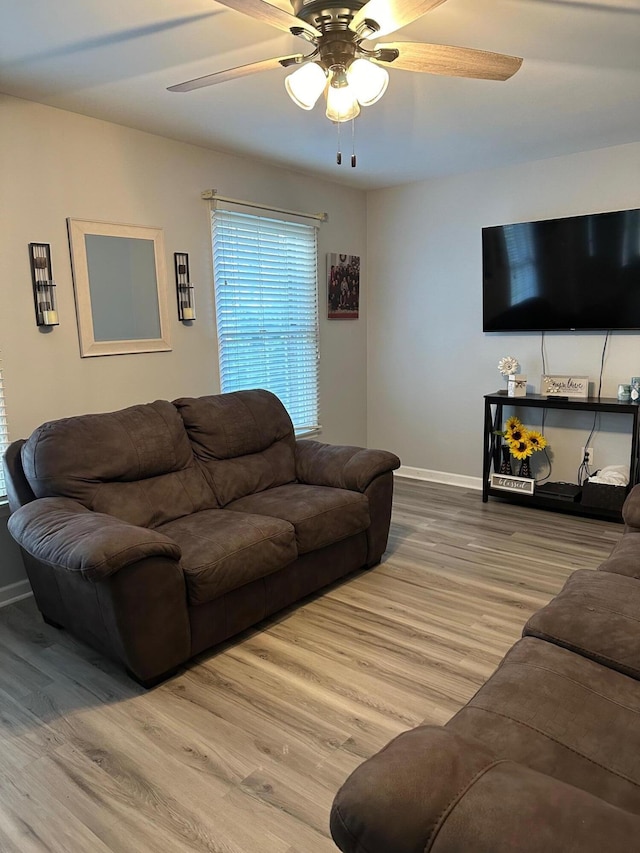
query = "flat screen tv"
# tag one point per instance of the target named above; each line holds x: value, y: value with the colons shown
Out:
x: 577, y: 273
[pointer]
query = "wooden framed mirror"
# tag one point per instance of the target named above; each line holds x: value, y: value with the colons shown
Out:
x: 119, y: 278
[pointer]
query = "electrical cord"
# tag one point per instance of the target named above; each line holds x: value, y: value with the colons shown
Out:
x: 544, y: 479
x: 604, y: 349
x: 539, y: 480
x: 584, y: 471
x: 544, y: 414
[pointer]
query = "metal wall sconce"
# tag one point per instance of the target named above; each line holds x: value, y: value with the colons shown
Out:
x: 44, y: 287
x: 185, y: 290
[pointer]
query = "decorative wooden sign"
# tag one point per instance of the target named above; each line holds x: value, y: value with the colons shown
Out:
x: 509, y: 483
x: 564, y: 386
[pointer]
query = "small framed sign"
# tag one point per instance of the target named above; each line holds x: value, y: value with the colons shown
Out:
x: 564, y: 386
x: 509, y: 483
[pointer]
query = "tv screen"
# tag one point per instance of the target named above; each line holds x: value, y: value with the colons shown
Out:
x: 577, y: 273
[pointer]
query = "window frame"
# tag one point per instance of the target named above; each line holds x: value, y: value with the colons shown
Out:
x: 269, y: 266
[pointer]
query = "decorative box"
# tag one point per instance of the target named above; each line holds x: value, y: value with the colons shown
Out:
x: 517, y: 386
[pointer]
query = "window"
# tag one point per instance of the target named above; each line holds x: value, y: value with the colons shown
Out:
x: 265, y: 273
x: 4, y: 437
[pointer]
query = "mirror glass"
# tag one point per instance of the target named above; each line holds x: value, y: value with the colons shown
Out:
x: 123, y: 288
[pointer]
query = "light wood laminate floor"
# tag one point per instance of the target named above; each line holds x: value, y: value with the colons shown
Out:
x: 244, y: 751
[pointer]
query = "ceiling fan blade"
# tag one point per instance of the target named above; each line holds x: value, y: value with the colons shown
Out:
x: 390, y: 15
x: 453, y: 61
x: 268, y: 14
x: 235, y: 73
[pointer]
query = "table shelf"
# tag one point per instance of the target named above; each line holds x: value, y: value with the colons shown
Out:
x: 493, y: 419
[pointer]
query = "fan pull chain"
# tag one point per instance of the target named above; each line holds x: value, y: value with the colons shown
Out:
x: 353, y: 143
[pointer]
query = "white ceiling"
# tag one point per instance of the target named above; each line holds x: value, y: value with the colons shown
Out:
x: 578, y: 88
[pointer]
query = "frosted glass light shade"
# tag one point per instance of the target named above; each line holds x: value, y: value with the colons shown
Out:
x: 342, y: 104
x: 368, y: 81
x: 305, y: 85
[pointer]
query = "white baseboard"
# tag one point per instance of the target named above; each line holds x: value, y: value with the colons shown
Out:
x: 462, y: 480
x: 14, y: 592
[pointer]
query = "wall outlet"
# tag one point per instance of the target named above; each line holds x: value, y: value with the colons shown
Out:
x: 588, y: 452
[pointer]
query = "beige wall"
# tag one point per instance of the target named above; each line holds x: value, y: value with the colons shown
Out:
x: 429, y: 362
x: 55, y: 164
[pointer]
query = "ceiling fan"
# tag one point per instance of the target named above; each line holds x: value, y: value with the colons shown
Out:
x: 351, y: 73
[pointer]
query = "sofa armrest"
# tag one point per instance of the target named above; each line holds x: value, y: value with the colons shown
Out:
x: 342, y: 467
x: 431, y: 791
x: 63, y: 533
x: 631, y: 509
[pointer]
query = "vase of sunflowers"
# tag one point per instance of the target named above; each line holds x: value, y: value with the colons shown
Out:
x: 521, y: 443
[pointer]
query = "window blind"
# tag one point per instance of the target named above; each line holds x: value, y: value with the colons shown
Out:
x: 4, y: 436
x: 265, y: 274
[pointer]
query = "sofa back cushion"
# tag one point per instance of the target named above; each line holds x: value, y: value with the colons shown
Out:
x: 136, y: 464
x: 244, y: 440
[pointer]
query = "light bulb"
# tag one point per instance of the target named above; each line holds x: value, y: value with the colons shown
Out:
x: 305, y: 85
x: 342, y: 104
x: 368, y: 81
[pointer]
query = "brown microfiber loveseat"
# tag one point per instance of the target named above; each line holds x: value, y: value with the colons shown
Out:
x: 162, y: 529
x: 544, y: 758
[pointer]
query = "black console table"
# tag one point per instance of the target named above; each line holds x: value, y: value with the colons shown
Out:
x: 493, y: 422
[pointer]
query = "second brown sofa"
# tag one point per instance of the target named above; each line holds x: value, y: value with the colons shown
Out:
x: 544, y: 758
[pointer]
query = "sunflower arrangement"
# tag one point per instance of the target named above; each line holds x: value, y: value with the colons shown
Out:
x: 522, y: 442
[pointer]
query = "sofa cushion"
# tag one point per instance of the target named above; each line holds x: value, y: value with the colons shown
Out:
x: 564, y: 715
x: 223, y: 550
x: 135, y: 464
x: 244, y: 440
x: 597, y: 614
x: 625, y: 557
x: 319, y: 514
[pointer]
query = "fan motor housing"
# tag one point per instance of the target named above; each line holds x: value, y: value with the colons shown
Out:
x: 326, y: 15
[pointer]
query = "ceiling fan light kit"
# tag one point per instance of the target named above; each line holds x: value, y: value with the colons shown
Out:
x: 305, y: 85
x: 340, y: 65
x: 361, y: 84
